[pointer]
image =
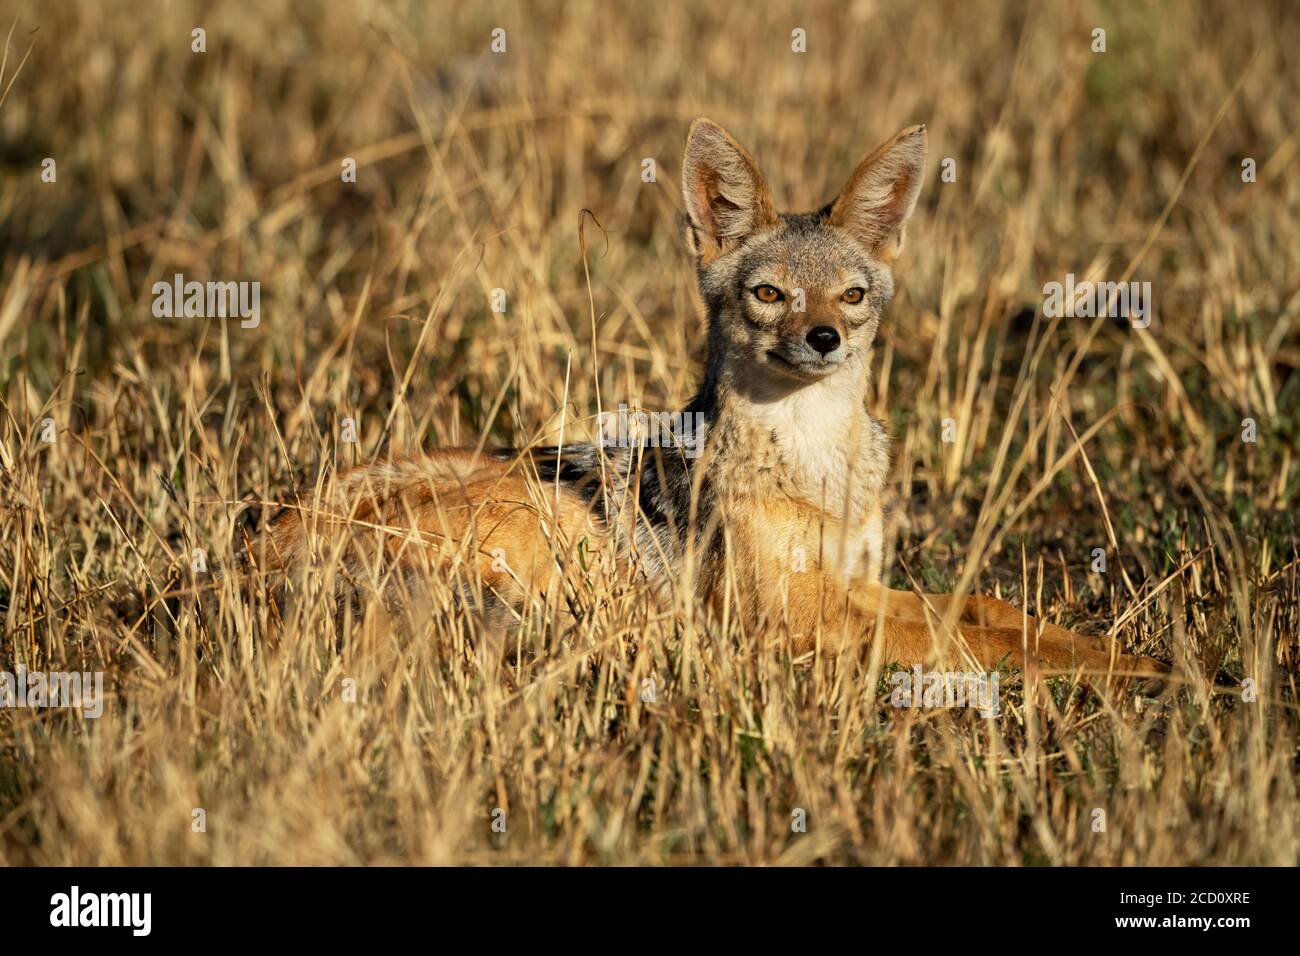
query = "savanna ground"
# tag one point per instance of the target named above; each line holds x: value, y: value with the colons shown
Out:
x: 472, y: 170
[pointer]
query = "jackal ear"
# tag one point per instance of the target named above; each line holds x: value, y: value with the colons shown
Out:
x: 727, y: 198
x: 875, y: 203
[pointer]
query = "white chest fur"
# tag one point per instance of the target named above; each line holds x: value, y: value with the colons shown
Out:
x: 832, y: 457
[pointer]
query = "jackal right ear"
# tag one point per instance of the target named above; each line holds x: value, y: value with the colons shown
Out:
x: 727, y: 198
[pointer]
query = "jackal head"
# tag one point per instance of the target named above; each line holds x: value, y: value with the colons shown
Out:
x: 794, y: 298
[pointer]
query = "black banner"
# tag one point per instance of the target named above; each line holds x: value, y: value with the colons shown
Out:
x: 333, y: 906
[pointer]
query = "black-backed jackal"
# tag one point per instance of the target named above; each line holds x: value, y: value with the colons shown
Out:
x: 791, y: 465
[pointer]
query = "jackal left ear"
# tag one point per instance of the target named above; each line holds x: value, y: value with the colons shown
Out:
x: 880, y: 195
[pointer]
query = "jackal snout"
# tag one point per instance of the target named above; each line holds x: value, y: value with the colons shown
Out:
x: 807, y: 333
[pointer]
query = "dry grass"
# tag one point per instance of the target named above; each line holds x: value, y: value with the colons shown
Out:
x: 174, y: 434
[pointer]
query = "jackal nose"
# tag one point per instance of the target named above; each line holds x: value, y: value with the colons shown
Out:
x: 824, y: 339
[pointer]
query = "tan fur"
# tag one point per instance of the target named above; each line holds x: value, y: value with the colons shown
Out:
x: 451, y: 511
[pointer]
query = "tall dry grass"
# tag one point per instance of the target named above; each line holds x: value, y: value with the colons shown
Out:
x: 176, y: 434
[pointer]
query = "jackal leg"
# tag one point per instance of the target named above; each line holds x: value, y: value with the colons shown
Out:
x: 912, y: 630
x: 984, y: 622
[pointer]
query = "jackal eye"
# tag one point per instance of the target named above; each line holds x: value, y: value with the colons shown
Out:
x: 767, y: 293
x: 853, y: 296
